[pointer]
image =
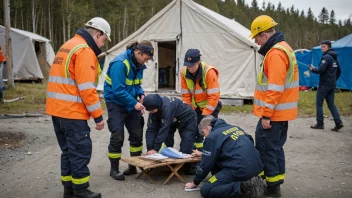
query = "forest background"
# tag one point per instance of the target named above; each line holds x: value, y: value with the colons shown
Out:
x: 58, y: 20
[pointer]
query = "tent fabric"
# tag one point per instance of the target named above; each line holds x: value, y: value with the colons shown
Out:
x: 306, y: 77
x: 343, y: 47
x: 25, y: 56
x: 223, y: 43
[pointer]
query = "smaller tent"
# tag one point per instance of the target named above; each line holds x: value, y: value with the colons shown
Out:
x: 343, y: 47
x: 32, y: 54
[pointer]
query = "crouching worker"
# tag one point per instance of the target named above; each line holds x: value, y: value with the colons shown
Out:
x: 230, y: 156
x: 166, y: 114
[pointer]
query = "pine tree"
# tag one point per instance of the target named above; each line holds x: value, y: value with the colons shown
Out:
x: 323, y: 16
x: 310, y: 15
x: 263, y: 5
x: 279, y: 7
x: 255, y: 5
x: 302, y: 14
x: 268, y: 6
x: 332, y: 17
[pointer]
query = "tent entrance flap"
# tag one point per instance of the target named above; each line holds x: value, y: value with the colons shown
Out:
x: 167, y: 65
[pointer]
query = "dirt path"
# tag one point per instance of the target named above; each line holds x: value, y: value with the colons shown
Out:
x: 319, y: 163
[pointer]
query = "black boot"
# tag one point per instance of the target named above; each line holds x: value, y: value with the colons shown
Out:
x: 253, y: 188
x: 68, y: 193
x: 114, y: 171
x: 272, y: 191
x: 85, y: 193
x: 130, y: 171
x: 317, y: 126
x: 337, y: 127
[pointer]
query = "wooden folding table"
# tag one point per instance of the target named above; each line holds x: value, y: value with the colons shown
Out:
x: 147, y: 166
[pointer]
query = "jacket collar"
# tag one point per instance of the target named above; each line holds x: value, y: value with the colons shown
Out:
x: 277, y: 37
x: 90, y: 41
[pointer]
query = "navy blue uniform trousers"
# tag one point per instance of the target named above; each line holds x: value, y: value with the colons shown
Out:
x: 73, y: 137
x: 327, y: 93
x: 187, y: 130
x: 118, y: 118
x: 222, y: 184
x: 269, y: 143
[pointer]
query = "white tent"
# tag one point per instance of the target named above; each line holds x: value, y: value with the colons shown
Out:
x: 184, y: 24
x: 32, y: 54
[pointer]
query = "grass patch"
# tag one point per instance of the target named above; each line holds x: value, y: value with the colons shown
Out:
x: 33, y: 102
x: 35, y: 94
x: 306, y: 105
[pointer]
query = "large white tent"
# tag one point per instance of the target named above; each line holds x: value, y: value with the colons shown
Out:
x: 32, y: 54
x: 184, y: 24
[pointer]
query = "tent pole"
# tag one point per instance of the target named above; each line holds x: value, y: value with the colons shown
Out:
x: 10, y: 80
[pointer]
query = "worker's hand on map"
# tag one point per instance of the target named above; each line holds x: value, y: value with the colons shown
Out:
x: 100, y: 125
x: 266, y: 123
x: 190, y: 185
x: 196, y: 153
x: 151, y: 152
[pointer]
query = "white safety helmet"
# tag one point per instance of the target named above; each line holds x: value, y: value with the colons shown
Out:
x: 100, y: 24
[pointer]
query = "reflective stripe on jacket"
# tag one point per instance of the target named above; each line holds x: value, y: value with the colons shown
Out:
x: 206, y: 97
x: 276, y: 94
x: 71, y: 91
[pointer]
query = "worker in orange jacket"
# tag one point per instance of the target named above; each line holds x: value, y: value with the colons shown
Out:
x: 200, y: 89
x: 72, y: 99
x: 275, y: 99
x: 2, y: 59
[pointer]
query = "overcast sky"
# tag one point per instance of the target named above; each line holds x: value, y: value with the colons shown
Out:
x: 342, y: 8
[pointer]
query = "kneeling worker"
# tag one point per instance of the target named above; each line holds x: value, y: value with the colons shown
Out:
x: 229, y: 154
x: 166, y: 114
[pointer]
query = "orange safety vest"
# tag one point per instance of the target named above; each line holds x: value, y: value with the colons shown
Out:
x: 2, y: 56
x: 276, y: 94
x: 206, y: 97
x: 71, y: 91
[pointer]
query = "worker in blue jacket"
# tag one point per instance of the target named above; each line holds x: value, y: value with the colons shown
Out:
x: 124, y: 98
x: 166, y: 114
x: 329, y: 70
x: 229, y: 154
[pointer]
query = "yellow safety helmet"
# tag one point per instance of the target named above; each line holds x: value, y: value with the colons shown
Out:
x: 260, y: 24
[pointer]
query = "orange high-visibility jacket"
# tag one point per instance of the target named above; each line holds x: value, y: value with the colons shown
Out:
x: 206, y: 97
x: 2, y: 56
x: 71, y: 91
x: 276, y: 94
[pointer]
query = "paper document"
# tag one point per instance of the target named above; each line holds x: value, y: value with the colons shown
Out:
x: 173, y: 153
x: 191, y: 189
x: 155, y: 156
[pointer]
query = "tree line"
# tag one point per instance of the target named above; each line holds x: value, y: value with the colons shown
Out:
x: 58, y: 20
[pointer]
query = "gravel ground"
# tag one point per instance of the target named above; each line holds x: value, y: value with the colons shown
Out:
x: 318, y: 161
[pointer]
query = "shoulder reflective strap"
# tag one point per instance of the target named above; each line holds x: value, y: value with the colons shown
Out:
x: 205, y: 68
x: 292, y: 59
x: 128, y: 67
x: 99, y: 73
x: 189, y: 82
x: 68, y: 60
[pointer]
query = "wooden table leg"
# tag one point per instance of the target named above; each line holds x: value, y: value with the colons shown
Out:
x: 147, y: 173
x: 174, y: 172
